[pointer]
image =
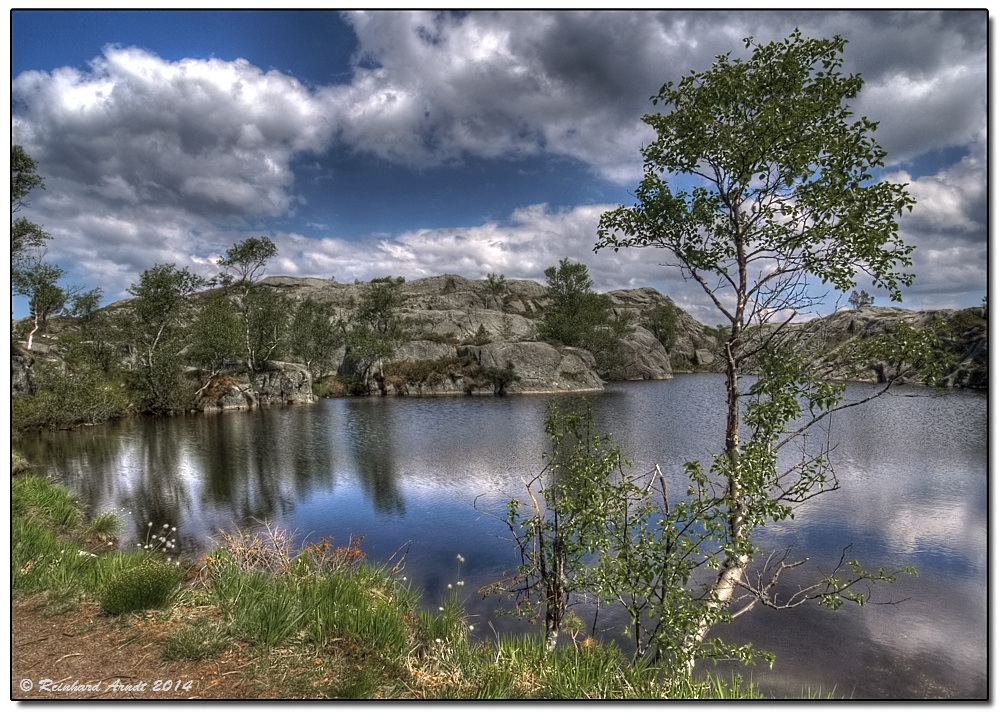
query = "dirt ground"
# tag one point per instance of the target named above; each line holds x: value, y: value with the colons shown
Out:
x: 85, y: 655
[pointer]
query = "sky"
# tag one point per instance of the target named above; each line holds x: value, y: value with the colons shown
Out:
x: 412, y: 143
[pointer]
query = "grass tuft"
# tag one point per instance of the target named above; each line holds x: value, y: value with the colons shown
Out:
x: 199, y: 639
x: 150, y: 585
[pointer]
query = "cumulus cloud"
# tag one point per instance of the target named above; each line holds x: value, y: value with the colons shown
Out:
x: 212, y: 137
x: 432, y: 87
x: 148, y: 160
x: 948, y: 228
x: 530, y: 240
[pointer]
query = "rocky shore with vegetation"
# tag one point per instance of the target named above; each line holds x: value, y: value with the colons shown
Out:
x: 290, y: 340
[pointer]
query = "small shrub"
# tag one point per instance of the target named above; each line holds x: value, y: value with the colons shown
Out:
x: 330, y: 387
x: 18, y: 463
x: 322, y: 557
x: 147, y: 586
x: 265, y: 549
x: 481, y: 337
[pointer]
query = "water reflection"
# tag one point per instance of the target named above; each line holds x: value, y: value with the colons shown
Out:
x: 404, y: 472
x: 371, y: 436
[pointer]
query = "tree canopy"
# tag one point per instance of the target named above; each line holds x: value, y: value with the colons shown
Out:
x: 24, y: 178
x: 579, y: 316
x: 783, y: 182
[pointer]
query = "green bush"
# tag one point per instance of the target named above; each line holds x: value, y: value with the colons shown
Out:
x: 663, y: 323
x: 150, y: 585
x: 18, y: 463
x: 64, y: 400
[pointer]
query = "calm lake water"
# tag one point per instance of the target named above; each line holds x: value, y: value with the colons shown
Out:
x: 404, y: 473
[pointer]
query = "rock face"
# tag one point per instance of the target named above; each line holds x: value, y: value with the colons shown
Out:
x: 961, y: 334
x: 539, y: 367
x: 22, y: 378
x: 281, y: 384
x: 458, y: 325
x: 645, y: 357
x: 692, y: 346
x: 471, y: 335
x: 449, y: 312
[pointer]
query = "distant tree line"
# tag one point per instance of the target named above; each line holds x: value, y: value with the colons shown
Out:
x: 179, y: 332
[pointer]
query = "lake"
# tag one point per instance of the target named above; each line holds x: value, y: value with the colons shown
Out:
x: 404, y: 473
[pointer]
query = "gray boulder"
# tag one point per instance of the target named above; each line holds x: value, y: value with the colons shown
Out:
x: 283, y: 383
x: 234, y: 398
x: 645, y: 358
x: 22, y: 377
x: 541, y: 368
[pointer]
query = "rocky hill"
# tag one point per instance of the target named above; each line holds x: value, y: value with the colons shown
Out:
x: 458, y: 324
x: 465, y: 339
x: 962, y: 335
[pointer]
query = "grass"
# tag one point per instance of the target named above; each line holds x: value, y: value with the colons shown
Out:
x: 200, y: 639
x: 322, y: 622
x: 34, y: 496
x: 150, y: 585
x: 104, y: 527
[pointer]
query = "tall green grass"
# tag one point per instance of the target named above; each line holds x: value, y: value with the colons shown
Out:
x: 324, y: 603
x: 37, y: 497
x: 360, y: 604
x: 49, y: 540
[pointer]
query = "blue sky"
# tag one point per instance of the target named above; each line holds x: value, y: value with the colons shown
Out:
x: 416, y: 144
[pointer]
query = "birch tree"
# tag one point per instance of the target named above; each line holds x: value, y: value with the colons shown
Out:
x: 762, y: 188
x: 264, y: 312
x: 155, y: 321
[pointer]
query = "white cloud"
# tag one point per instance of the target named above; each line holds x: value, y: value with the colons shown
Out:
x: 522, y: 247
x: 148, y: 160
x: 214, y: 137
x: 919, y: 112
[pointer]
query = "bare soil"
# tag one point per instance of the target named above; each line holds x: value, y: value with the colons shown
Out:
x: 113, y: 656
